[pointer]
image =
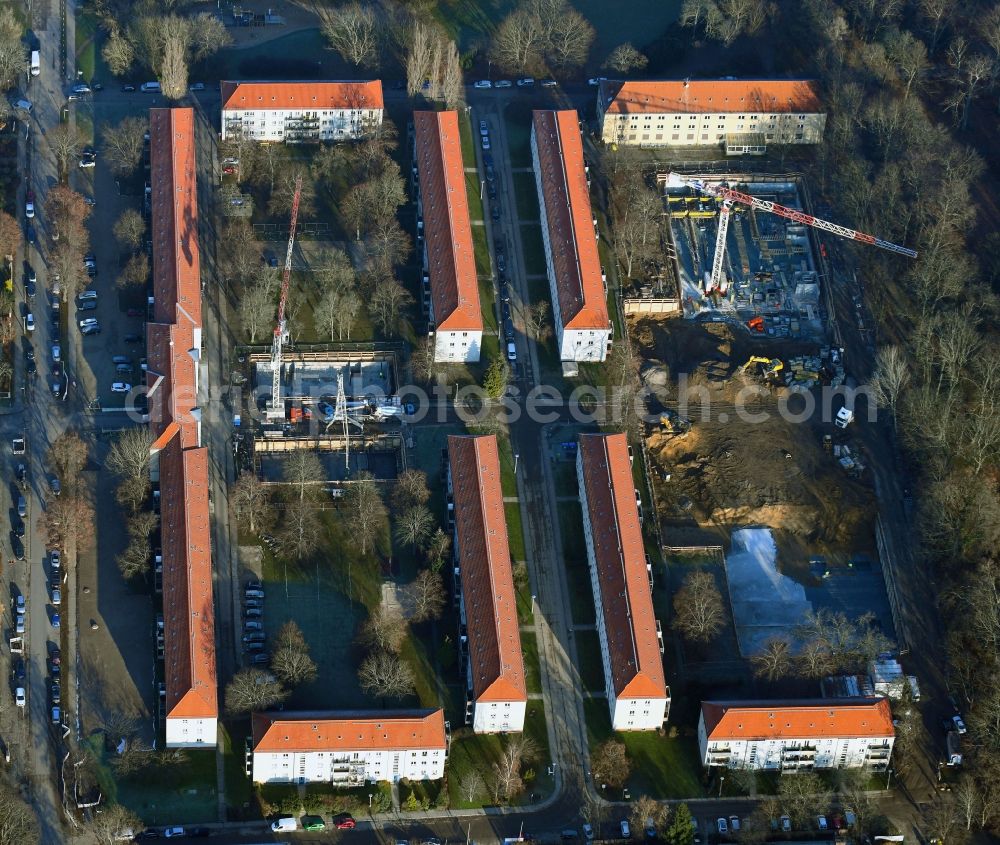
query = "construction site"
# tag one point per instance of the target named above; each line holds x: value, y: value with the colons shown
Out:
x: 340, y: 402
x: 750, y: 417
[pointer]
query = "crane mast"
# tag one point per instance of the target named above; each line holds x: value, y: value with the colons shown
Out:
x: 729, y: 196
x: 277, y: 408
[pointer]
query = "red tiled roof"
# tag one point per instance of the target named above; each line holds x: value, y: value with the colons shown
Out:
x: 188, y: 611
x: 451, y: 262
x: 710, y: 96
x: 487, y: 577
x: 350, y: 94
x: 346, y: 730
x: 577, y: 265
x: 174, y: 206
x: 171, y: 379
x: 841, y: 718
x: 626, y: 601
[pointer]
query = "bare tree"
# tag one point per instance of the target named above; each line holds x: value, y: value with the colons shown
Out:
x: 303, y: 471
x: 68, y: 456
x: 12, y: 58
x: 251, y: 502
x: 10, y: 235
x: 123, y: 144
x: 385, y: 675
x: 240, y: 251
x: 698, y: 606
x: 67, y: 518
x: 135, y: 273
x: 251, y: 690
x: 258, y: 306
x: 18, y: 822
x: 128, y: 457
x: 506, y: 782
x: 366, y: 509
x: 283, y: 194
x: 300, y: 529
x: 387, y: 301
x: 470, y: 784
x: 422, y: 364
x: 624, y: 58
x: 971, y: 75
x: 134, y: 559
x: 452, y: 83
x: 644, y: 810
x: 291, y: 661
x: 892, y: 375
x: 774, y: 661
x: 111, y: 823
x: 610, y: 764
x: 426, y: 595
x: 805, y: 796
x: 337, y: 312
x: 437, y: 548
x: 414, y: 525
x: 353, y: 31
x: 536, y: 320
x: 168, y: 44
x: 418, y: 56
x: 519, y: 42
x: 384, y: 629
x: 118, y: 53
x: 410, y: 489
x: 909, y: 56
x: 68, y: 210
x: 130, y: 229
x: 569, y: 38
x: 935, y: 15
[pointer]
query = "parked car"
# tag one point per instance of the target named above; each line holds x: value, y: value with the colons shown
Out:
x: 56, y: 692
x: 120, y: 387
x: 625, y: 829
x: 22, y: 507
x: 29, y: 322
x: 81, y: 88
x: 56, y: 715
x: 483, y: 128
x: 548, y: 83
x: 87, y: 162
x: 483, y: 83
x: 486, y: 142
x: 19, y: 624
x: 86, y: 321
x: 174, y: 831
x: 19, y: 603
x: 261, y: 658
x: 344, y: 821
x: 786, y: 824
x: 128, y: 88
x: 55, y: 559
x: 29, y: 209
x: 19, y: 697
x: 525, y: 82
x: 588, y: 832
x: 734, y: 824
x: 55, y: 620
x: 253, y: 593
x: 821, y: 822
x: 503, y: 83
x: 255, y: 637
x: 722, y: 826
x: 56, y: 596
x: 253, y: 625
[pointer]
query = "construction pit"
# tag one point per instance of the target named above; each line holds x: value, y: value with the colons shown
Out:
x: 342, y: 405
x: 769, y: 274
x: 715, y: 470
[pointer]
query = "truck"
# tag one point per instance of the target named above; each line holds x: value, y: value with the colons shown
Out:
x: 17, y: 445
x: 36, y: 63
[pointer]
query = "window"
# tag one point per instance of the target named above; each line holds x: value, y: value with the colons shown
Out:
x: 704, y: 136
x: 690, y: 136
x: 674, y: 137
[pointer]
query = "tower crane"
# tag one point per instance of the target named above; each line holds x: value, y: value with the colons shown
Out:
x: 729, y: 196
x: 277, y: 407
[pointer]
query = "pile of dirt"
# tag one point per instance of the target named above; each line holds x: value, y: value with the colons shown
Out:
x: 744, y: 467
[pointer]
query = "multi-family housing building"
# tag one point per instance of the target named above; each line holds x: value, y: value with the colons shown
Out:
x: 301, y: 112
x: 445, y: 236
x: 745, y: 115
x: 576, y: 280
x: 178, y: 461
x: 620, y: 575
x: 490, y: 638
x: 348, y: 748
x: 796, y: 735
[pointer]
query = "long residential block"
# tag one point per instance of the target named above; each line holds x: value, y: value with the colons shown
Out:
x: 178, y: 461
x: 576, y: 284
x: 745, y: 115
x: 449, y: 261
x: 491, y: 639
x: 349, y: 748
x: 630, y: 636
x: 301, y: 112
x: 797, y: 735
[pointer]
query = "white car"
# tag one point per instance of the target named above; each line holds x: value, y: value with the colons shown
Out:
x: 483, y: 83
x: 486, y: 142
x: 56, y: 596
x: 55, y: 558
x: 29, y: 322
x: 19, y: 623
x: 525, y: 82
x: 29, y: 210
x: 19, y: 697
x: 483, y: 128
x: 20, y: 603
x: 87, y: 162
x: 87, y: 321
x: 548, y: 83
x: 504, y: 83
x: 55, y: 351
x: 173, y: 831
x: 121, y: 387
x: 723, y: 827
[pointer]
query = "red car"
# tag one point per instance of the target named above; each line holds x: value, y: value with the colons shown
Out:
x: 229, y: 170
x: 344, y: 822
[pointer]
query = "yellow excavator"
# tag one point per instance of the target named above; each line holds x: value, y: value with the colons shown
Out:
x: 769, y: 367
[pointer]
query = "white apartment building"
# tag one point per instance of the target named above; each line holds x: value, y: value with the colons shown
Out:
x: 301, y: 112
x: 576, y: 283
x: 797, y: 735
x: 445, y: 235
x: 745, y: 115
x: 490, y: 633
x: 630, y: 636
x: 348, y: 748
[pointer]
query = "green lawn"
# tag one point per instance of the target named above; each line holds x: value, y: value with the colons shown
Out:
x: 533, y: 249
x: 564, y: 476
x: 529, y: 648
x: 577, y: 572
x: 522, y: 583
x: 86, y: 44
x: 484, y: 267
x: 662, y: 767
x: 526, y: 195
x: 507, y: 480
x: 590, y: 664
x: 515, y: 530
x: 239, y: 795
x: 517, y: 118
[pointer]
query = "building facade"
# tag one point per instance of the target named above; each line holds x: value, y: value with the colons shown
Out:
x: 301, y: 112
x: 797, y: 735
x: 445, y: 238
x: 348, y: 748
x: 629, y: 633
x: 178, y: 461
x: 490, y: 633
x: 569, y: 235
x: 743, y: 114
